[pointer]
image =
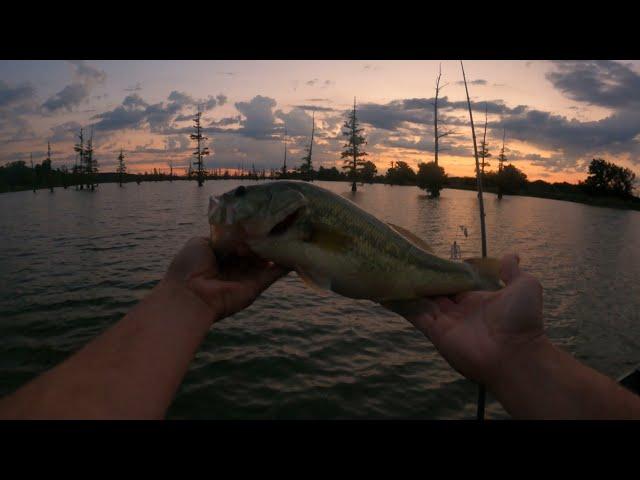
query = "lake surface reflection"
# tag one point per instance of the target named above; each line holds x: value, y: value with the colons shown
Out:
x: 73, y: 263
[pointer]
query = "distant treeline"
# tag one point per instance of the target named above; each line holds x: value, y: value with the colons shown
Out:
x: 607, y: 184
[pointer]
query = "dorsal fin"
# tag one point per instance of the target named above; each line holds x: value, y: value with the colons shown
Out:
x: 412, y: 237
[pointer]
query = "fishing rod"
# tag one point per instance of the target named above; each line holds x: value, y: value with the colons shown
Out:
x: 481, y: 389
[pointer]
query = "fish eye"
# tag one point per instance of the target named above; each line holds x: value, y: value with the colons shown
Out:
x: 240, y: 191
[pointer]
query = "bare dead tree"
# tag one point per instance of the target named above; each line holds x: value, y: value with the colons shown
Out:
x: 478, y: 178
x: 437, y: 133
x: 307, y: 166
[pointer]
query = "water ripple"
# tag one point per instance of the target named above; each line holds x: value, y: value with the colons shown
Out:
x: 298, y: 353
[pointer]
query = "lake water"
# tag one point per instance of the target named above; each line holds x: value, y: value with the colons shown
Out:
x: 72, y: 263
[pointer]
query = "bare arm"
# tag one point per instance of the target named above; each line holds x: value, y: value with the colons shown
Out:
x: 134, y: 369
x: 498, y: 339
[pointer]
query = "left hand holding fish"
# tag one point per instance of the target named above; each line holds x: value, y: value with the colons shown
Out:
x: 226, y: 287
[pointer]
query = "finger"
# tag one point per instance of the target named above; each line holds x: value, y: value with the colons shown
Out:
x: 466, y: 297
x: 197, y: 241
x: 270, y: 274
x: 444, y: 303
x: 509, y: 268
x: 411, y: 308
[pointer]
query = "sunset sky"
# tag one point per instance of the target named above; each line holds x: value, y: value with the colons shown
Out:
x: 557, y: 115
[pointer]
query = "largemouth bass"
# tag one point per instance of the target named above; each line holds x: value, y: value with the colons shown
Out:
x: 334, y: 244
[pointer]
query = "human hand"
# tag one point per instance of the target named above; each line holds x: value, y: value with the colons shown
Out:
x: 478, y: 332
x: 225, y: 287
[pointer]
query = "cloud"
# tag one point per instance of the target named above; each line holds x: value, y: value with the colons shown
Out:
x: 297, y: 121
x: 134, y: 112
x: 65, y: 131
x: 222, y: 99
x: 577, y: 140
x: 225, y: 121
x: 398, y: 113
x: 321, y: 83
x: 16, y: 102
x: 477, y: 81
x: 86, y: 73
x: 602, y: 82
x: 315, y: 108
x: 134, y: 101
x: 259, y: 118
x: 85, y: 79
x: 135, y: 88
x: 16, y: 129
x: 14, y: 96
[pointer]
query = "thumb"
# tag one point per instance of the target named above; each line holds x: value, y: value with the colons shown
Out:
x: 509, y: 268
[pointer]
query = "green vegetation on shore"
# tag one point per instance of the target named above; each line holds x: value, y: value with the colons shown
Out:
x: 606, y: 185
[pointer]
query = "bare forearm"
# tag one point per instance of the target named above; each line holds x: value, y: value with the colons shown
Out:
x: 544, y: 382
x: 131, y: 371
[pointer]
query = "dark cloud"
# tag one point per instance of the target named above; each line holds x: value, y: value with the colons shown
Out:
x: 477, y: 81
x: 64, y: 131
x: 222, y: 99
x: 226, y: 121
x: 67, y: 98
x: 297, y: 121
x: 86, y: 73
x: 576, y: 140
x: 12, y: 96
x: 132, y: 113
x: 259, y: 118
x: 315, y: 108
x: 16, y: 102
x: 398, y: 113
x: 135, y: 88
x: 135, y: 112
x: 85, y: 79
x: 15, y: 129
x: 321, y: 83
x: 602, y: 82
x: 134, y: 101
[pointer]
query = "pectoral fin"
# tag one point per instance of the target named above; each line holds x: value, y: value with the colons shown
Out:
x: 315, y: 280
x: 329, y: 239
x: 412, y: 237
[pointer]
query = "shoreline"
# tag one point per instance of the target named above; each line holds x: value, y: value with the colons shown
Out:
x: 607, y: 202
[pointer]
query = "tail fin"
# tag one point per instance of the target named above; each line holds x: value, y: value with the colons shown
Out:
x: 488, y: 271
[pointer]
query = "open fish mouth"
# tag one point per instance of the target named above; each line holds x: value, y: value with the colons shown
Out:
x: 265, y: 222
